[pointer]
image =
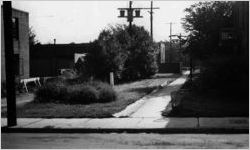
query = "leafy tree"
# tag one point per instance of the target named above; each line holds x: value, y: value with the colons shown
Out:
x: 141, y: 62
x: 204, y: 21
x: 222, y: 70
x: 32, y: 37
x: 130, y: 54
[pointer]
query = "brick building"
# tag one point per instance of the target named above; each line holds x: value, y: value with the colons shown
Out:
x: 20, y: 21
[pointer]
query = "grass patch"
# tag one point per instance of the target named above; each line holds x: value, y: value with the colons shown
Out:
x: 126, y: 94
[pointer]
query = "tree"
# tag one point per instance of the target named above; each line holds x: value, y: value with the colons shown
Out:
x: 141, y: 62
x: 203, y: 22
x: 222, y: 70
x: 32, y: 37
x: 129, y: 56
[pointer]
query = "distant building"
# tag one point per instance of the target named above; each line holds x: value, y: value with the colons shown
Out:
x: 169, y: 59
x: 49, y: 59
x: 20, y: 21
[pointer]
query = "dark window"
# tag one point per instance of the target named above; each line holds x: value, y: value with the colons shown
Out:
x: 15, y: 23
x: 16, y: 57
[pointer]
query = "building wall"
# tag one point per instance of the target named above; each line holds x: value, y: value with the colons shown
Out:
x: 43, y: 67
x: 48, y: 59
x: 21, y: 45
x: 241, y: 24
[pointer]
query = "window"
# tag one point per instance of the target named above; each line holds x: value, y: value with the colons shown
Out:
x: 15, y: 28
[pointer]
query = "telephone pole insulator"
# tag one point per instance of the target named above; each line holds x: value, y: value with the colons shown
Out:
x: 130, y: 15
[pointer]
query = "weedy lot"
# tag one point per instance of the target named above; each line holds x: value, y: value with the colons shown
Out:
x: 127, y: 93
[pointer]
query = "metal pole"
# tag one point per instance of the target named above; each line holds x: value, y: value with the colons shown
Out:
x: 9, y: 64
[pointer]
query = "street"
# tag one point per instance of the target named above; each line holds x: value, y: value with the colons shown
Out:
x: 123, y: 140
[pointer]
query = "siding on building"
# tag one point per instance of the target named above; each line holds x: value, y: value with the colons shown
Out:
x: 21, y: 45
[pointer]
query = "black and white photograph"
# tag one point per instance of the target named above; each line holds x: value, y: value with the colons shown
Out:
x: 122, y: 74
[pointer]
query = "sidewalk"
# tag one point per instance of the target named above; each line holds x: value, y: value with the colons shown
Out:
x: 153, y: 104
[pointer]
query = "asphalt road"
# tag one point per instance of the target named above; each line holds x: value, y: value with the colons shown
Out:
x: 116, y: 140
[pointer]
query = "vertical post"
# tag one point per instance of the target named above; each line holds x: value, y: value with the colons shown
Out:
x: 151, y: 19
x: 180, y: 54
x: 180, y: 42
x: 9, y: 59
x: 130, y: 15
x: 170, y: 36
x: 191, y: 68
x: 111, y: 78
x: 170, y: 44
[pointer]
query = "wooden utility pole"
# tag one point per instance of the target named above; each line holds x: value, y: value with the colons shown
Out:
x: 130, y: 15
x: 151, y: 20
x: 9, y: 64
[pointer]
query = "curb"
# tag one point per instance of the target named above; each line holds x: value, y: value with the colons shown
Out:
x: 126, y: 130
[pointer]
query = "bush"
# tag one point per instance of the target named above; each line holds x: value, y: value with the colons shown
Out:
x: 224, y: 75
x: 60, y: 91
x: 51, y: 91
x: 82, y: 94
x: 106, y: 92
x: 68, y: 74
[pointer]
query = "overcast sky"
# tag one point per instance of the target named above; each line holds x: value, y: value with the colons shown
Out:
x: 82, y: 21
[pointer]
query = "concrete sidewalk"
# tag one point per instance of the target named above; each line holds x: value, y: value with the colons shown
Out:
x: 162, y: 125
x: 153, y: 104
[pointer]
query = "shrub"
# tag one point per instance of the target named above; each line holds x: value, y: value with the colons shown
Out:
x: 68, y: 74
x: 60, y: 91
x: 51, y: 91
x: 106, y: 92
x: 82, y: 94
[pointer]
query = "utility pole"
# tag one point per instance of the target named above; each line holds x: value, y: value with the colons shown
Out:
x: 130, y: 15
x: 151, y: 20
x: 170, y: 34
x: 170, y: 37
x: 9, y: 65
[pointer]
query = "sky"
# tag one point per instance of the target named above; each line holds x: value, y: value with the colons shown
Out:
x: 82, y: 21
